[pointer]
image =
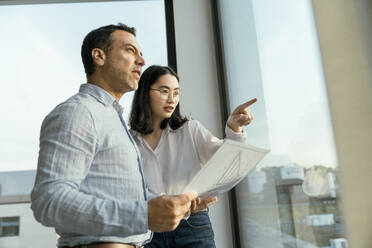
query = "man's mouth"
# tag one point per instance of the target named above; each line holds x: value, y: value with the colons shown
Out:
x: 138, y: 72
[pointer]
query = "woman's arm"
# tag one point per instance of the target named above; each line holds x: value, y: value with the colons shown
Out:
x: 207, y: 144
x: 241, y: 116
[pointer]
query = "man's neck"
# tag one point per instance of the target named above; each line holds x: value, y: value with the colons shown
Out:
x: 102, y: 83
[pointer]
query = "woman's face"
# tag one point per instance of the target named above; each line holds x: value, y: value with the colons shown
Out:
x: 164, y: 96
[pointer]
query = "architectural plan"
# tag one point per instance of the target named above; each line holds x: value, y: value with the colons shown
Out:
x: 226, y: 168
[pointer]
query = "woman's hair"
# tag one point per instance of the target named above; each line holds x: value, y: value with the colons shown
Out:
x: 140, y: 116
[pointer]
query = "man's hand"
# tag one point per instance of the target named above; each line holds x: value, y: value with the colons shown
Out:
x: 166, y: 212
x: 241, y: 116
x: 199, y: 204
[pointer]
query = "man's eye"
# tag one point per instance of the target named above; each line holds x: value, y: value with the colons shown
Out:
x: 176, y: 93
x: 164, y: 91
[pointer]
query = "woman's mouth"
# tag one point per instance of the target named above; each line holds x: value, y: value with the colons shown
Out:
x: 169, y: 109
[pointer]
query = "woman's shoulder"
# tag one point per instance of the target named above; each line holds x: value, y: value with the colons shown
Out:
x: 182, y: 128
x: 194, y: 125
x: 193, y: 121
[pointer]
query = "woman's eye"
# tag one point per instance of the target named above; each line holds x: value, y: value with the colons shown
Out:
x: 164, y: 91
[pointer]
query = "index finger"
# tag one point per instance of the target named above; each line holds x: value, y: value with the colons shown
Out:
x: 246, y: 104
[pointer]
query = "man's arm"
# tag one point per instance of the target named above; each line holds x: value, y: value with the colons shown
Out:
x: 68, y: 142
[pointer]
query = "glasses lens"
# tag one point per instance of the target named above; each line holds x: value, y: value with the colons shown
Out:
x: 165, y: 93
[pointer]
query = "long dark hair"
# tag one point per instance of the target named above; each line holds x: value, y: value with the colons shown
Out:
x: 140, y: 116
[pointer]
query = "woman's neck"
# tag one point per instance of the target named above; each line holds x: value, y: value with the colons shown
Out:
x: 153, y: 138
x: 156, y: 125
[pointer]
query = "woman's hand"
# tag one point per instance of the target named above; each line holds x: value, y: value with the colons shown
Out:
x: 200, y: 204
x: 241, y: 116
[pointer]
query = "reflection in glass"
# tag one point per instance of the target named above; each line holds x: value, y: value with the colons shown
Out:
x: 293, y: 198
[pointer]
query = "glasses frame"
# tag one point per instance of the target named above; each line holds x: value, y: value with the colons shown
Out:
x: 166, y: 96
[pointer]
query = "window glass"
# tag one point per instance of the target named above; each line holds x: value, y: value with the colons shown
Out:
x: 292, y: 199
x: 41, y: 68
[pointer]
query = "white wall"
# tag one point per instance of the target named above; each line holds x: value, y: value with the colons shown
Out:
x: 31, y: 233
x: 345, y: 36
x: 196, y: 63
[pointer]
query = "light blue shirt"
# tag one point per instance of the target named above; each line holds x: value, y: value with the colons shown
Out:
x: 89, y: 184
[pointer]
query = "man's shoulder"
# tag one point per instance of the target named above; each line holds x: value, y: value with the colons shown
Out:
x: 77, y: 106
x: 83, y: 99
x: 79, y: 101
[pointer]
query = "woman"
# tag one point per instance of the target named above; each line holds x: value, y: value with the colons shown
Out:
x: 173, y: 149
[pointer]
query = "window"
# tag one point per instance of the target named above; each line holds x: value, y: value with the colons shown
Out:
x: 271, y: 52
x: 9, y: 226
x: 41, y: 45
x: 43, y: 65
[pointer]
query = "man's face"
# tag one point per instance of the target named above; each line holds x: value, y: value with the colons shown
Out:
x: 124, y: 62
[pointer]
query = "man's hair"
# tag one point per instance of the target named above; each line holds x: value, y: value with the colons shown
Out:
x: 140, y: 116
x: 99, y: 38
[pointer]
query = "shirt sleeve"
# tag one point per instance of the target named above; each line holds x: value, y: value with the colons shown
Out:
x: 206, y: 143
x: 68, y: 142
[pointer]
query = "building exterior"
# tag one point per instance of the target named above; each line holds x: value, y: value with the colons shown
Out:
x: 18, y: 228
x: 281, y: 215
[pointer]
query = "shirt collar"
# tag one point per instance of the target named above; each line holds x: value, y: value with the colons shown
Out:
x: 168, y: 129
x: 97, y: 92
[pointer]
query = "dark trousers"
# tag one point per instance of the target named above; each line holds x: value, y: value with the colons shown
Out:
x: 195, y: 232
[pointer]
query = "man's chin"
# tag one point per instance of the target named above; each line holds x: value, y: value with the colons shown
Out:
x: 134, y: 85
x: 131, y: 87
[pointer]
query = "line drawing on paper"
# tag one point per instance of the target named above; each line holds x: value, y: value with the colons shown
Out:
x: 226, y: 168
x: 233, y: 171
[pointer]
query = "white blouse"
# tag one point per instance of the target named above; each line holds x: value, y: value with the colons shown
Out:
x: 178, y: 156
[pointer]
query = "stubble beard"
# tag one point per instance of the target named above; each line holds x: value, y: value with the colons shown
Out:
x: 127, y: 83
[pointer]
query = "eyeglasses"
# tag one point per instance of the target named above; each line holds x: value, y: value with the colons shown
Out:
x: 164, y: 93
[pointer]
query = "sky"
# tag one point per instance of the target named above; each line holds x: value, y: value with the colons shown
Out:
x: 296, y: 100
x: 41, y: 44
x: 272, y: 53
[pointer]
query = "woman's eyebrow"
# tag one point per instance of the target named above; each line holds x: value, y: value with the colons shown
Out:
x: 167, y: 87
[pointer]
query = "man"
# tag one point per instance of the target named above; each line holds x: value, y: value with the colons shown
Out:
x: 89, y: 184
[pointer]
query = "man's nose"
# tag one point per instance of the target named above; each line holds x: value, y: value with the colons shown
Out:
x: 140, y: 60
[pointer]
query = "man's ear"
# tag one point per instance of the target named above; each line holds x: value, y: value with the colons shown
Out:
x: 99, y: 56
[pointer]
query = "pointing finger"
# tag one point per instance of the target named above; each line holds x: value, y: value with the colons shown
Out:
x: 245, y: 105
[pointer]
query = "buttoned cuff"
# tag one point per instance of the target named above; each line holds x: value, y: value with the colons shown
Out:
x: 237, y: 136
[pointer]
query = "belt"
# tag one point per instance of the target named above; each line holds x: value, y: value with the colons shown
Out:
x: 101, y: 245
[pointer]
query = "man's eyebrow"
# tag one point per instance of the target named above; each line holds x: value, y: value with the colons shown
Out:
x: 134, y: 47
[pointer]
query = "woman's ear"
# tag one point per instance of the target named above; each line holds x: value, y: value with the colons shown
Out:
x: 98, y: 56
